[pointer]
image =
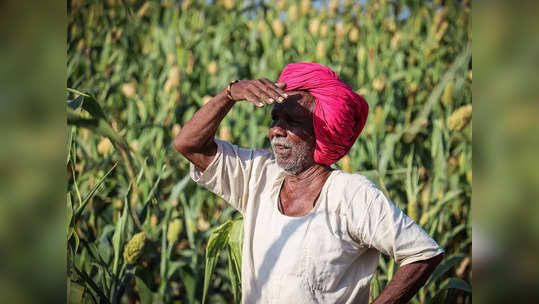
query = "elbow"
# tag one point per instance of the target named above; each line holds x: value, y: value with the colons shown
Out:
x: 441, y: 256
x: 180, y: 144
x: 436, y: 260
x: 186, y: 145
x: 189, y: 144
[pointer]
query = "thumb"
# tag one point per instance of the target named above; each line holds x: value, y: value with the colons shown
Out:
x: 280, y: 84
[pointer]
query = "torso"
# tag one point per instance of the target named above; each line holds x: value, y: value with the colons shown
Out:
x: 307, y: 254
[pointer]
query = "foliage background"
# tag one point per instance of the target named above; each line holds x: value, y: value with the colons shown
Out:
x: 150, y: 65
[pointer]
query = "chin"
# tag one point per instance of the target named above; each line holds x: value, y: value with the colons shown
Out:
x: 290, y: 169
x: 282, y: 160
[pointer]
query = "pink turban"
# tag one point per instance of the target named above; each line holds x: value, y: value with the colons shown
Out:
x: 339, y: 114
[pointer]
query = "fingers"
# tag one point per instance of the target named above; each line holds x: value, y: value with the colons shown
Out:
x: 273, y: 89
x: 260, y: 91
x: 252, y: 98
x: 263, y: 93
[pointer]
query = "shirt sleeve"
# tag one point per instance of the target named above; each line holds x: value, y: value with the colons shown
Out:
x: 386, y: 228
x: 231, y: 172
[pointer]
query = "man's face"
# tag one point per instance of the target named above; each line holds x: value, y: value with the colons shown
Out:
x: 291, y: 132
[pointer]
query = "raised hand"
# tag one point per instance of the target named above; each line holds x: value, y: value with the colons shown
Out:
x: 259, y: 91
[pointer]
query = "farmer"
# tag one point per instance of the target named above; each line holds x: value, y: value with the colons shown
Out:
x: 312, y: 233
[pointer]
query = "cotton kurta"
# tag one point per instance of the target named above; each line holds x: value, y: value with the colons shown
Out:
x: 326, y: 256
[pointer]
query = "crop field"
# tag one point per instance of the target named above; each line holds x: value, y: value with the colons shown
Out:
x: 139, y: 230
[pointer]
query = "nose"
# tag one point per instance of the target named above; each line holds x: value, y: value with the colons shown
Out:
x: 276, y: 130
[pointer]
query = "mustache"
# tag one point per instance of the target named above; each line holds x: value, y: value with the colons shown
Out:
x: 281, y: 142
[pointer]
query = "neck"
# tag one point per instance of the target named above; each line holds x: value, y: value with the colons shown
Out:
x: 313, y: 174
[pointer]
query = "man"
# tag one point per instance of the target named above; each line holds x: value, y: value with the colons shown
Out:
x: 312, y: 234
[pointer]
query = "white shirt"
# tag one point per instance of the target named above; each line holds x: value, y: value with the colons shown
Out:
x: 326, y: 256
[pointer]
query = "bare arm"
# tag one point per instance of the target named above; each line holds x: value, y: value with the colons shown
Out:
x: 195, y: 140
x: 407, y: 281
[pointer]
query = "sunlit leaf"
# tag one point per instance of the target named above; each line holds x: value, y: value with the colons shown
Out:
x: 216, y: 243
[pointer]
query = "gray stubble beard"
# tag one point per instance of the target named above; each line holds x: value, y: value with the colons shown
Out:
x: 299, y: 159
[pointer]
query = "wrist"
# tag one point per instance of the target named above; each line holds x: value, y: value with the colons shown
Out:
x: 228, y: 90
x: 222, y: 96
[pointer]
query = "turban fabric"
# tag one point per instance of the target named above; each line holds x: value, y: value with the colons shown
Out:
x: 339, y: 114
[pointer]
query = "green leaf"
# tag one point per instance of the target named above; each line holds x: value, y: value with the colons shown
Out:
x: 76, y: 103
x: 75, y: 292
x: 378, y: 284
x: 70, y: 139
x: 390, y: 269
x: 105, y: 232
x: 166, y: 250
x: 69, y: 223
x: 92, y: 192
x: 448, y: 236
x: 77, y: 241
x: 387, y: 152
x: 91, y: 284
x: 439, y: 205
x: 453, y: 283
x: 236, y: 242
x: 142, y: 212
x: 178, y: 188
x: 439, y: 297
x: 189, y: 283
x: 145, y: 294
x: 105, y: 251
x: 71, y: 232
x: 235, y: 279
x: 216, y: 243
x: 235, y: 245
x: 457, y: 283
x: 73, y: 162
x: 79, y: 92
x: 139, y: 177
x: 97, y: 255
x: 118, y: 238
x: 99, y: 124
x: 91, y: 106
x: 444, y: 267
x: 173, y: 267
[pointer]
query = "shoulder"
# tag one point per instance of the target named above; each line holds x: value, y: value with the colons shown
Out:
x: 354, y: 189
x: 353, y: 184
x: 228, y: 148
x: 257, y: 159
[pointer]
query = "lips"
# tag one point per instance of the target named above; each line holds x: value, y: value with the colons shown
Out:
x: 280, y: 149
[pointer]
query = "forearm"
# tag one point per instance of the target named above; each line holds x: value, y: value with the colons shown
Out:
x: 195, y: 140
x: 407, y: 281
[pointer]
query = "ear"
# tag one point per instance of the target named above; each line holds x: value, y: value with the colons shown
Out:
x: 311, y: 104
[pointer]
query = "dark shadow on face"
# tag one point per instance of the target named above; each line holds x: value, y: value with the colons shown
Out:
x: 291, y: 132
x: 295, y: 115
